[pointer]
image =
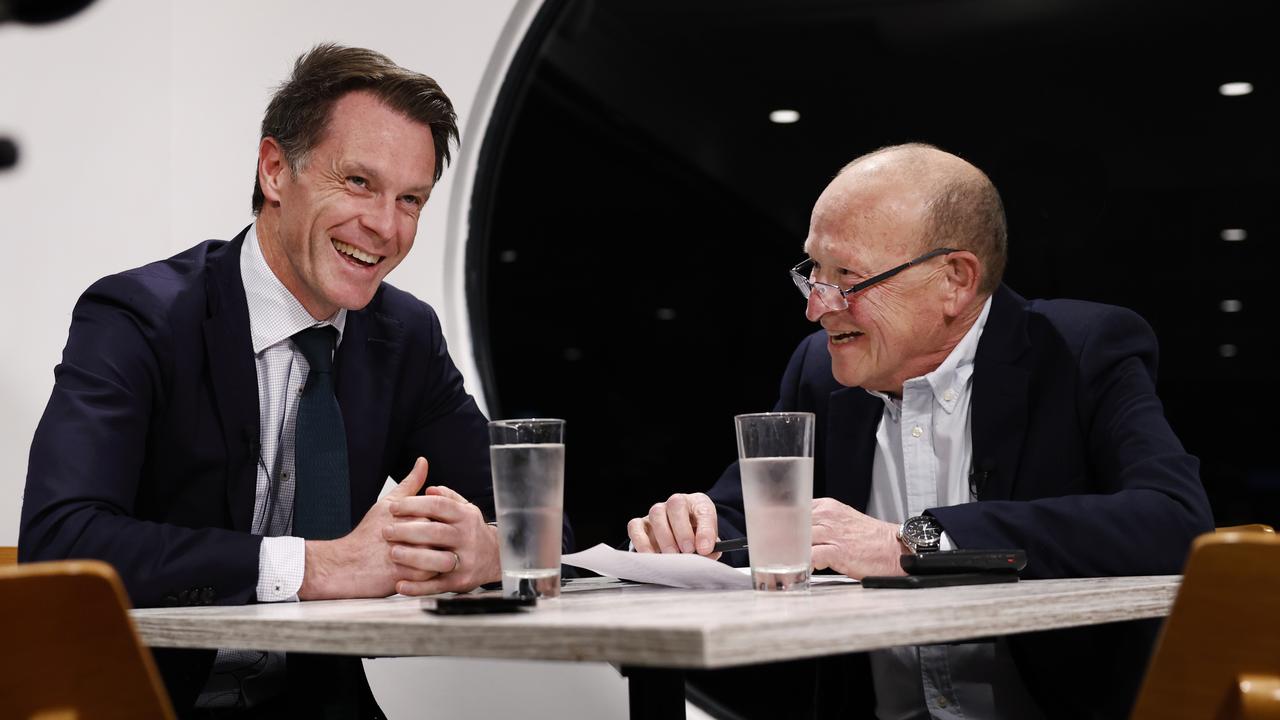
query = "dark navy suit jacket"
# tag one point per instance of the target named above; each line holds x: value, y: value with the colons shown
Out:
x: 146, y: 455
x: 1073, y: 460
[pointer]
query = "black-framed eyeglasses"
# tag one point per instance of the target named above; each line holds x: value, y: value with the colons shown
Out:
x: 835, y: 299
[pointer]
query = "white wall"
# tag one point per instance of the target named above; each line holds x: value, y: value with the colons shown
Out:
x: 138, y: 126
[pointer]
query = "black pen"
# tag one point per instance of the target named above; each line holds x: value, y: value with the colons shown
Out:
x: 727, y: 545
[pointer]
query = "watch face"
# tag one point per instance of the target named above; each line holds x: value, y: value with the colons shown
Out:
x: 922, y: 531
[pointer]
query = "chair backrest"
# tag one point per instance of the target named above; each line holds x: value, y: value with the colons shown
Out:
x: 1219, y: 652
x: 1254, y: 527
x: 8, y: 555
x: 69, y: 647
x: 1249, y: 528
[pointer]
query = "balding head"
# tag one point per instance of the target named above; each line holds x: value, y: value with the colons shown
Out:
x: 873, y: 228
x: 955, y: 203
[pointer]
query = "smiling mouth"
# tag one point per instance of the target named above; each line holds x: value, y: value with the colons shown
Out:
x: 355, y: 254
x: 844, y: 337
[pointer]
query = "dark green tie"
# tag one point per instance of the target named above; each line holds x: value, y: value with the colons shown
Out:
x: 322, y: 493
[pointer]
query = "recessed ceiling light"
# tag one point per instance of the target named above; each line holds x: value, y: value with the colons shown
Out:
x: 1235, y: 89
x: 1231, y: 306
x: 784, y: 117
x: 1228, y: 350
x: 1234, y: 234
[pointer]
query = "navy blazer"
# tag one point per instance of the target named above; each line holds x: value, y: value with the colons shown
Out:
x: 147, y: 451
x: 1073, y: 460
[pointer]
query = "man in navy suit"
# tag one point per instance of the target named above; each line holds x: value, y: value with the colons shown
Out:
x: 952, y: 413
x: 173, y: 444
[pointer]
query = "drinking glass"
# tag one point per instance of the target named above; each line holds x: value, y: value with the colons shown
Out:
x: 527, y: 457
x: 775, y: 456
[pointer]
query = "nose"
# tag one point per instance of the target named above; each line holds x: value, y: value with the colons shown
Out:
x: 380, y: 217
x: 815, y: 308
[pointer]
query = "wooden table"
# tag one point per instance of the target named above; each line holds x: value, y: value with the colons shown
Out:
x: 665, y: 629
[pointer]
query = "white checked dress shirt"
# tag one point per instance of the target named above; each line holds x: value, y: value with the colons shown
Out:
x: 924, y: 451
x: 274, y: 316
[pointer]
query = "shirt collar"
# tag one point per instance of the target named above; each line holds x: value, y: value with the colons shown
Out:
x: 949, y: 381
x: 275, y: 314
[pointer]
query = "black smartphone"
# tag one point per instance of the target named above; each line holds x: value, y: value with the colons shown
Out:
x: 477, y: 604
x: 928, y: 581
x: 964, y: 561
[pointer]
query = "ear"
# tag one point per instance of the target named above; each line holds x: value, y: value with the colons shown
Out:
x: 963, y: 275
x: 273, y: 170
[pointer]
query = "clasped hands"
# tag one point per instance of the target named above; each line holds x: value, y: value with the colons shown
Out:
x: 406, y: 543
x: 845, y: 540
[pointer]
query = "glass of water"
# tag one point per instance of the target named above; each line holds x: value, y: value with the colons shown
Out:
x: 527, y: 457
x: 775, y: 456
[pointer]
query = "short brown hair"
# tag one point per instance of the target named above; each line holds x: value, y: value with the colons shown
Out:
x: 964, y: 208
x: 966, y: 212
x: 299, y: 111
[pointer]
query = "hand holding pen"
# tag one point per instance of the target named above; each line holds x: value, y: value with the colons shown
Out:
x: 685, y: 523
x: 730, y: 545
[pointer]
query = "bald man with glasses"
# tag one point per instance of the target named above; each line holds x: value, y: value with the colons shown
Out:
x: 953, y: 413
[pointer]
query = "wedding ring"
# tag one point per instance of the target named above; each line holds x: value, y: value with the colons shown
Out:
x: 456, y: 561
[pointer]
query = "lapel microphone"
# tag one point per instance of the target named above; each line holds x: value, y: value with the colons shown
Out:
x: 978, y: 479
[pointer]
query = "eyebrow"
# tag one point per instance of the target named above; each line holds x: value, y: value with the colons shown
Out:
x: 854, y: 271
x: 358, y: 168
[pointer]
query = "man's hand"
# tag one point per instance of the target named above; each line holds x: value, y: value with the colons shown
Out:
x: 854, y: 544
x: 441, y: 543
x: 359, y: 564
x: 682, y: 524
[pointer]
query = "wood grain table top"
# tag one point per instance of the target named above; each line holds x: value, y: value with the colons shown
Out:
x: 602, y: 620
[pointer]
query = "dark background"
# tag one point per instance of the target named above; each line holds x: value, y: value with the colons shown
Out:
x: 637, y: 211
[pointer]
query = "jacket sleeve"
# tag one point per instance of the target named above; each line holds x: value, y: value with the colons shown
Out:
x: 1148, y: 503
x: 90, y: 451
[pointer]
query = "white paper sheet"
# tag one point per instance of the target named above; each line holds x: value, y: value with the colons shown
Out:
x: 675, y: 570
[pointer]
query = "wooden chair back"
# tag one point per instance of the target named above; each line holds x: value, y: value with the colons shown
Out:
x: 1219, y: 652
x: 1254, y: 527
x: 8, y: 555
x: 69, y: 647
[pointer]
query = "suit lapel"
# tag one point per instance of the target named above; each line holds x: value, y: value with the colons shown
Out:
x: 853, y: 416
x: 229, y: 357
x: 366, y: 367
x: 1000, y: 397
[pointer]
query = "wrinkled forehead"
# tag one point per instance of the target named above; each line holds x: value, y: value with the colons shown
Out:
x: 364, y: 131
x: 863, y: 225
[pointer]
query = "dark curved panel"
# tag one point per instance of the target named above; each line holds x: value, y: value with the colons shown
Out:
x: 639, y: 211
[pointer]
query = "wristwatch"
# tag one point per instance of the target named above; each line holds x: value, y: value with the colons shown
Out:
x: 922, y: 533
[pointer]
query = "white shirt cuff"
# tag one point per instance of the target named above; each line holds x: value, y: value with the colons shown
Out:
x: 281, y: 562
x: 944, y: 542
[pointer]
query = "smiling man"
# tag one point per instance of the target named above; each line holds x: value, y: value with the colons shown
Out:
x: 223, y: 421
x: 953, y: 413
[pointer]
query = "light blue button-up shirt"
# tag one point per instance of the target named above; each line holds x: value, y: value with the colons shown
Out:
x: 924, y: 451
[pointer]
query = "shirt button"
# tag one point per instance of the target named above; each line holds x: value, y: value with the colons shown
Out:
x: 949, y: 395
x: 917, y: 431
x: 942, y: 702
